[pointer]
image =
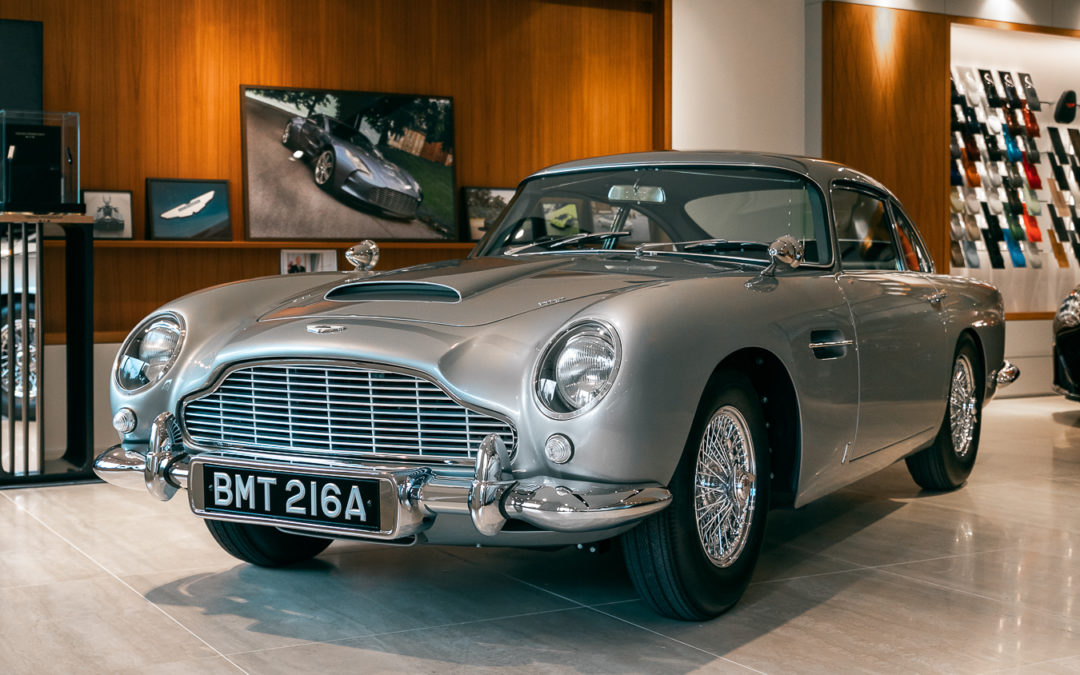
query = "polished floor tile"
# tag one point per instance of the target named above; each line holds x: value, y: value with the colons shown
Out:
x: 878, y: 577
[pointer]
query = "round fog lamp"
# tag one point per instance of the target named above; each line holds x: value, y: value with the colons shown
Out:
x: 559, y: 449
x: 124, y: 421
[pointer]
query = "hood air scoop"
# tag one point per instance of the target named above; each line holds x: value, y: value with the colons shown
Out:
x: 419, y: 291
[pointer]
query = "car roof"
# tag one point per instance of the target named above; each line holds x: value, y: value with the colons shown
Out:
x: 820, y: 171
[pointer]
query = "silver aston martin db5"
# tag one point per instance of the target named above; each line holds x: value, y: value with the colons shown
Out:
x: 654, y: 347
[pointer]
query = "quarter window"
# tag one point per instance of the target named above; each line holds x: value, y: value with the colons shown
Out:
x: 916, y: 258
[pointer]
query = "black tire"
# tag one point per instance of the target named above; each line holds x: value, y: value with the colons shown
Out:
x: 20, y: 404
x: 265, y: 546
x: 665, y: 555
x: 286, y: 135
x: 324, y: 179
x: 947, y: 463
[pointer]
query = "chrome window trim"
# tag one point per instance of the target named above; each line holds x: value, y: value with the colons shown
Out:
x: 219, y: 379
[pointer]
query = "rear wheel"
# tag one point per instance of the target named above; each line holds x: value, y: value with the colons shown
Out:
x: 23, y: 349
x: 265, y: 546
x: 693, y: 560
x: 947, y: 463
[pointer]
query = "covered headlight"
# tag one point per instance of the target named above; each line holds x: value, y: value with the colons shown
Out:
x: 360, y: 164
x: 149, y: 351
x: 1068, y: 315
x: 578, y: 368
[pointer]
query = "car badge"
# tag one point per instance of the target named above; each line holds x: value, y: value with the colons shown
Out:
x: 320, y: 328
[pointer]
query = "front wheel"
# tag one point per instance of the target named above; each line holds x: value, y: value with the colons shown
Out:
x: 947, y: 463
x: 324, y: 168
x: 264, y: 546
x: 693, y: 560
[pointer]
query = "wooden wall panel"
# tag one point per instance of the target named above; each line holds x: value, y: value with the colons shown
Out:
x: 157, y: 85
x: 885, y: 106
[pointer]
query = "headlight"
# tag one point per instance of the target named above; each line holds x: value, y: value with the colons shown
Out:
x: 1068, y: 315
x: 360, y: 165
x: 577, y: 369
x: 149, y: 351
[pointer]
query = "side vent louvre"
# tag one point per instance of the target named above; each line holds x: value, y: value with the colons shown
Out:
x: 418, y: 291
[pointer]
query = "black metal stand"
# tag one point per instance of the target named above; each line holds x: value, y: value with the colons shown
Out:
x: 76, y: 462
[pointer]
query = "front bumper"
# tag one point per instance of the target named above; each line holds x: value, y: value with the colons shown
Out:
x: 411, y: 496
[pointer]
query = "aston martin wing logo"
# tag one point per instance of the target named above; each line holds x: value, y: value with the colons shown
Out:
x: 320, y: 328
x: 189, y: 208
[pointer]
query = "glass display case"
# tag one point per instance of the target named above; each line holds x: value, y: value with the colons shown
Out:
x: 39, y: 168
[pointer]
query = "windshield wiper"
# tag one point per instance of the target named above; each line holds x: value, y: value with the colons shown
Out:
x: 721, y: 245
x: 553, y: 243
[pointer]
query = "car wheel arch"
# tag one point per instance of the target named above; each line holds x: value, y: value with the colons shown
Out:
x: 973, y: 336
x: 776, y: 391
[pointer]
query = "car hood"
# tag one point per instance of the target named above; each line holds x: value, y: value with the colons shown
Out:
x: 478, y: 291
x: 385, y: 172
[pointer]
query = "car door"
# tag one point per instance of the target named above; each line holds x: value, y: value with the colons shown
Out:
x: 311, y: 134
x: 896, y: 308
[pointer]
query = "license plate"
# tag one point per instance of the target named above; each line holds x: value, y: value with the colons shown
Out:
x: 321, y: 500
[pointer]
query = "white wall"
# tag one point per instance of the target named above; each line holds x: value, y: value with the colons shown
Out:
x: 737, y: 75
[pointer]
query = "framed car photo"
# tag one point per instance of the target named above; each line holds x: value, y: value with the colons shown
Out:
x: 111, y: 211
x: 196, y: 210
x: 326, y: 164
x: 299, y: 261
x: 482, y: 207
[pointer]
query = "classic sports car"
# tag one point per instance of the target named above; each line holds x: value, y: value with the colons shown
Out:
x: 1067, y: 346
x: 724, y: 333
x: 349, y: 165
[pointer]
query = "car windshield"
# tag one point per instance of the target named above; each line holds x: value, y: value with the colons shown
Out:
x: 348, y: 134
x: 725, y: 212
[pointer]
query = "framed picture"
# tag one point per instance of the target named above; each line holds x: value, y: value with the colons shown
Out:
x: 187, y: 209
x: 326, y: 164
x: 482, y: 207
x: 298, y: 261
x: 111, y: 211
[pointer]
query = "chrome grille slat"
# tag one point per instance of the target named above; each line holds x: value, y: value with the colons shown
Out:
x: 337, y: 409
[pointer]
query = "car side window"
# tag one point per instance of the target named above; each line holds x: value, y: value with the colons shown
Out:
x: 863, y: 231
x: 916, y: 257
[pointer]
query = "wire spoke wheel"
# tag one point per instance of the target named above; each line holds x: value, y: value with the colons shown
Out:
x: 725, y: 488
x: 22, y: 342
x: 963, y: 406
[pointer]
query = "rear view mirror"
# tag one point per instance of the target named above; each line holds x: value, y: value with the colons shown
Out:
x: 637, y: 193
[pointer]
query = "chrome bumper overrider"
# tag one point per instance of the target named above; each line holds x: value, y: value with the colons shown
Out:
x: 411, y: 497
x: 1007, y: 374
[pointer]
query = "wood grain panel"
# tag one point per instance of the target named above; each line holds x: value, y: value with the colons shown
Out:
x: 157, y: 85
x: 885, y: 106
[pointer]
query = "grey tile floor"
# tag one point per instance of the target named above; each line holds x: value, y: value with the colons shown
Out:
x: 879, y: 577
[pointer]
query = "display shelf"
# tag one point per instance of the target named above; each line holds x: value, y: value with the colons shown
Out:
x: 100, y: 337
x: 172, y: 244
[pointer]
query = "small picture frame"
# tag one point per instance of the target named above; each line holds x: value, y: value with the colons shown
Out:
x: 192, y: 210
x: 299, y: 261
x: 483, y: 205
x: 111, y: 211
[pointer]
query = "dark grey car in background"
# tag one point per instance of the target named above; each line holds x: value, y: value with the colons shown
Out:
x: 348, y: 165
x: 656, y: 347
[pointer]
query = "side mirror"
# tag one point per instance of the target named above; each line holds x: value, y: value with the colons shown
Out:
x: 363, y: 256
x: 787, y: 250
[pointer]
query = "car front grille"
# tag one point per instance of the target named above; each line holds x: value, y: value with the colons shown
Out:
x: 392, y: 200
x: 336, y: 410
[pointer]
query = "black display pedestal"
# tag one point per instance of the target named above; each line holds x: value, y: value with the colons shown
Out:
x: 23, y: 422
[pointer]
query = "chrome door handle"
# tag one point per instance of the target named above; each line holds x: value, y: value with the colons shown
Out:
x: 936, y: 298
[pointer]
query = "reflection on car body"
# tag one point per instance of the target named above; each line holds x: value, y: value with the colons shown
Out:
x: 720, y: 334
